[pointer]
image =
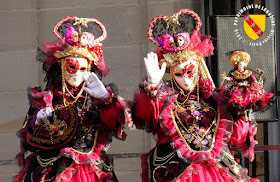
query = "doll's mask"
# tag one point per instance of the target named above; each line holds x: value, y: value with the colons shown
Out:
x: 242, y: 65
x: 185, y: 74
x: 75, y: 67
x: 182, y: 39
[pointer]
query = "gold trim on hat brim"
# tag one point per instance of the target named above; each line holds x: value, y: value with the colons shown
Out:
x: 77, y: 51
x: 174, y: 58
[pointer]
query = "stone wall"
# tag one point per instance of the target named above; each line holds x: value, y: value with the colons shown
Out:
x: 25, y: 23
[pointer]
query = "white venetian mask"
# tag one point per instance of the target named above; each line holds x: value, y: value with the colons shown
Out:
x: 185, y: 74
x: 75, y: 67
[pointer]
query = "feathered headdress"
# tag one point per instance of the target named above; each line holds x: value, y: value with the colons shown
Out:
x: 178, y: 37
x: 77, y: 37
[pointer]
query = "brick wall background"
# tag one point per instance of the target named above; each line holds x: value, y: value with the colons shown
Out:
x: 25, y: 23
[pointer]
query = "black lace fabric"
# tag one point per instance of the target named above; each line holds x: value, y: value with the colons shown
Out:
x: 91, y: 27
x: 187, y: 24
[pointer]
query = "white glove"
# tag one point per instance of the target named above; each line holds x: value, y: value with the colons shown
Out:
x: 95, y: 87
x: 154, y: 73
x: 43, y: 115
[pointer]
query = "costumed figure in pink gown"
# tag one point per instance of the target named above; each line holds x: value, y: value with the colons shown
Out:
x: 243, y: 89
x: 70, y: 124
x: 189, y: 119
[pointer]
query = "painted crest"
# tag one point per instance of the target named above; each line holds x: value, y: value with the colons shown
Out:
x: 254, y: 25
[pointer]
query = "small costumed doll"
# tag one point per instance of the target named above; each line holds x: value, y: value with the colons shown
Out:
x: 245, y: 94
x: 188, y: 118
x: 70, y: 124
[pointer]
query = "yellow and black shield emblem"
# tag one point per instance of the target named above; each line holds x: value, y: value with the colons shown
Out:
x: 254, y: 25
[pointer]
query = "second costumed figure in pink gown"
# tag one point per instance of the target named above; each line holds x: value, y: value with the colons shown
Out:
x: 189, y: 119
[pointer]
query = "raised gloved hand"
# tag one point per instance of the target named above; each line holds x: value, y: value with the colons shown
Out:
x: 43, y: 114
x: 154, y: 72
x: 95, y: 87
